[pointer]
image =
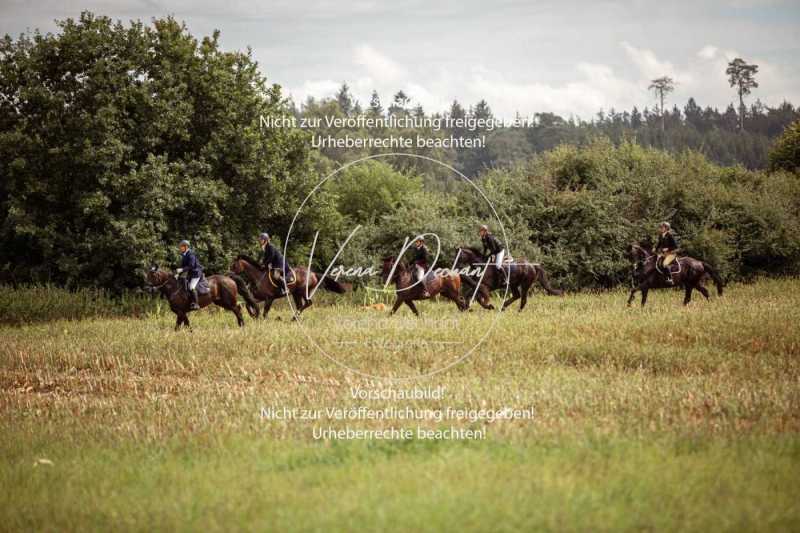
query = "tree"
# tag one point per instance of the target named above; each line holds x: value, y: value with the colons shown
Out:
x: 401, y: 101
x: 742, y: 76
x: 345, y: 100
x: 785, y: 153
x: 375, y: 107
x: 118, y: 141
x: 661, y: 87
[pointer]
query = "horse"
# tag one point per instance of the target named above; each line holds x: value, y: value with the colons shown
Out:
x: 446, y: 283
x: 224, y: 292
x: 267, y: 290
x: 691, y: 273
x: 521, y: 277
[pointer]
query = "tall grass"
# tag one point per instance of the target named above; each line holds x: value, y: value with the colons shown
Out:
x: 41, y: 303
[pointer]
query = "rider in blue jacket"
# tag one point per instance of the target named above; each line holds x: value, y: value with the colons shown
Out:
x: 273, y: 260
x: 193, y: 270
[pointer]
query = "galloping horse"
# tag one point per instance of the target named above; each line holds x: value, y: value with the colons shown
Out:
x: 223, y: 291
x: 691, y: 274
x: 446, y: 283
x: 521, y: 278
x: 267, y: 290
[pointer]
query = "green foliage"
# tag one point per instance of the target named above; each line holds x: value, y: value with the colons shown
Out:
x: 118, y: 141
x: 785, y: 153
x: 371, y: 189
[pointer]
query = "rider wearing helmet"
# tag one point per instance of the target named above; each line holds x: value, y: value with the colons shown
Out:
x: 420, y: 262
x: 492, y: 247
x: 666, y: 248
x: 273, y: 260
x: 193, y: 270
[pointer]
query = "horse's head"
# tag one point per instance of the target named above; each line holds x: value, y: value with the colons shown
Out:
x: 388, y: 265
x: 637, y: 252
x: 468, y: 255
x: 237, y: 267
x: 157, y: 278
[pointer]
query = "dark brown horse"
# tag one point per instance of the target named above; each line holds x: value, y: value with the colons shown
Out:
x: 446, y: 283
x: 223, y: 292
x: 523, y: 275
x: 686, y: 271
x: 268, y: 290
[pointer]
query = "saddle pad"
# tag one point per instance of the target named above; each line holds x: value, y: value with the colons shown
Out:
x: 202, y: 286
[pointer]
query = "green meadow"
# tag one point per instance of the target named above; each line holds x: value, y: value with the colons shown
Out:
x: 662, y: 418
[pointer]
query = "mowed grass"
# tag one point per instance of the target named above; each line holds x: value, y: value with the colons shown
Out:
x: 660, y: 418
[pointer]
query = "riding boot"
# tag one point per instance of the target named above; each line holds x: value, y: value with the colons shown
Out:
x: 194, y: 305
x: 503, y: 277
x: 279, y: 285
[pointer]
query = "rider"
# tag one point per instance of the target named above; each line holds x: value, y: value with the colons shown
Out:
x: 193, y: 269
x: 273, y: 260
x: 493, y: 247
x: 666, y: 248
x: 420, y: 262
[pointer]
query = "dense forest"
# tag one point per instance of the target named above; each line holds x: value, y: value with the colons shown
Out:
x: 728, y: 138
x: 117, y: 141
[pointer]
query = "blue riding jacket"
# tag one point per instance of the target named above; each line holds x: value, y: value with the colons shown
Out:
x: 273, y: 258
x: 191, y: 265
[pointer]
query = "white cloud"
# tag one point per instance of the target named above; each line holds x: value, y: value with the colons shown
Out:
x: 707, y: 52
x: 377, y: 64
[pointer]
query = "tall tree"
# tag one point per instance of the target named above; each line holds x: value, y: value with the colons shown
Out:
x: 662, y: 87
x: 400, y: 104
x: 345, y: 99
x: 742, y: 76
x: 375, y: 107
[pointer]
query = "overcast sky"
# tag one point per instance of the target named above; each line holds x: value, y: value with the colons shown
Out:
x: 562, y: 56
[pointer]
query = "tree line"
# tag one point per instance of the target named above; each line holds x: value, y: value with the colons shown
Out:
x: 118, y: 140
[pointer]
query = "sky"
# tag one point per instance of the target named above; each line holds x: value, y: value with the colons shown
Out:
x: 567, y: 57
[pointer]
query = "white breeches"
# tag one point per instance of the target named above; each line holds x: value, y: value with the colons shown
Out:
x: 420, y: 272
x: 193, y: 283
x: 498, y: 259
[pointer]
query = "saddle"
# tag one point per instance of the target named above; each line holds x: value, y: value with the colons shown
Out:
x: 674, y: 267
x: 290, y: 281
x: 202, y: 286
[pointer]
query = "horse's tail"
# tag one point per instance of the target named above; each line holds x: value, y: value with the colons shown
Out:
x: 331, y: 284
x: 715, y: 276
x: 544, y: 281
x: 244, y: 290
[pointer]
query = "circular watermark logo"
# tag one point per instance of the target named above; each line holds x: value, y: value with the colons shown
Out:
x: 399, y: 280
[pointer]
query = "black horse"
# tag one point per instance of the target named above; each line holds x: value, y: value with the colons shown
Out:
x: 522, y: 276
x: 686, y: 271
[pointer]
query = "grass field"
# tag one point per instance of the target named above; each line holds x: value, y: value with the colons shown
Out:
x: 662, y: 418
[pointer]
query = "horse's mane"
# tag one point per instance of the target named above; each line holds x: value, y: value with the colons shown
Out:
x: 474, y: 250
x: 400, y: 262
x: 245, y: 257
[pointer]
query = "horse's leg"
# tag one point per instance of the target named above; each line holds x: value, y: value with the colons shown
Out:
x: 397, y: 303
x: 237, y: 310
x: 514, y: 297
x: 267, y: 305
x: 702, y: 290
x: 633, y: 293
x: 299, y: 305
x: 688, y: 297
x: 645, y: 292
x: 454, y: 295
x: 484, y: 297
x: 413, y: 307
x: 524, y: 290
x: 186, y: 321
x: 178, y: 321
